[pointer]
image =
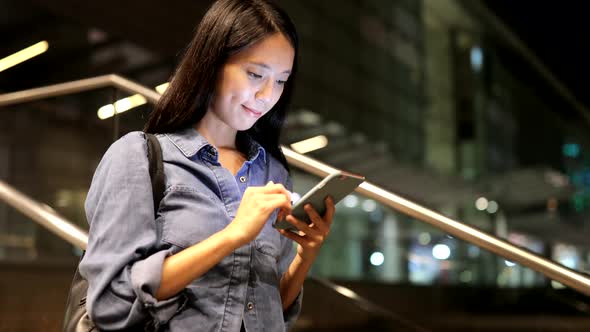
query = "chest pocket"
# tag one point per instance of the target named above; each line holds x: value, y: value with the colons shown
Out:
x: 268, y: 241
x: 189, y: 217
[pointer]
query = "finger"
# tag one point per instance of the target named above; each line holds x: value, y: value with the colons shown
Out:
x: 301, y: 240
x: 330, y: 210
x: 284, y: 193
x: 281, y: 214
x: 273, y: 187
x: 279, y: 202
x: 315, y: 218
x: 276, y: 187
x: 302, y: 226
x: 275, y: 197
x: 278, y: 190
x: 271, y: 196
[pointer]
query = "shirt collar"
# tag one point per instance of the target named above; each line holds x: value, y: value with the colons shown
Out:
x: 190, y: 142
x: 252, y: 149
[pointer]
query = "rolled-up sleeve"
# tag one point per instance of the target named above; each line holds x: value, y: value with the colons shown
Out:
x: 288, y: 253
x: 124, y: 258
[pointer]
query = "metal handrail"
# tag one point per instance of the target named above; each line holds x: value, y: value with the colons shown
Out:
x: 500, y: 247
x: 43, y: 215
x: 72, y: 87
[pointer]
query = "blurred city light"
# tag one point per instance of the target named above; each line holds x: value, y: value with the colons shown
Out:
x: 351, y: 201
x: 476, y: 57
x: 162, y: 87
x: 424, y: 238
x: 481, y: 203
x: 23, y: 55
x: 121, y: 106
x: 556, y: 179
x: 310, y: 144
x: 571, y: 150
x: 346, y: 292
x: 377, y: 258
x: 441, y: 251
x: 492, y: 207
x: 126, y: 104
x: 557, y: 284
x: 369, y: 205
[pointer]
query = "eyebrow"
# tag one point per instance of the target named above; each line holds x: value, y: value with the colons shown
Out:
x: 264, y: 65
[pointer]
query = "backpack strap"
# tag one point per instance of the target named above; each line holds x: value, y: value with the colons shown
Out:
x: 76, y: 317
x: 156, y: 167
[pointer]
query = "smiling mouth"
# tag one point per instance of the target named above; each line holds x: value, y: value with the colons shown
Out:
x: 252, y: 112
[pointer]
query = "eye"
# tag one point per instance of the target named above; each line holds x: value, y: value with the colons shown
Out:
x: 254, y: 75
x: 280, y: 82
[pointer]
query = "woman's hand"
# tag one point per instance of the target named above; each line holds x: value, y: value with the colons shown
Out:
x: 312, y: 236
x: 257, y: 204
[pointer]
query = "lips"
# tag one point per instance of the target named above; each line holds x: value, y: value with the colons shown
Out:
x: 252, y: 112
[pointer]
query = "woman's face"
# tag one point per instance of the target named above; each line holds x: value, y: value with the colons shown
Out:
x: 252, y: 81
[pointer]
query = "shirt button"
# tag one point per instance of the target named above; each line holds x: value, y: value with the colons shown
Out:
x: 242, y: 179
x: 250, y: 305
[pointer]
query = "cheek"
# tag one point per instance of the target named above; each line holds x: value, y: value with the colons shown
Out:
x: 277, y: 95
x: 240, y: 90
x: 233, y: 86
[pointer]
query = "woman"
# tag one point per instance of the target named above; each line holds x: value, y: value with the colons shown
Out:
x: 211, y: 261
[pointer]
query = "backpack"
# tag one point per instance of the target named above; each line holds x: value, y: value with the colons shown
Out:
x: 76, y: 317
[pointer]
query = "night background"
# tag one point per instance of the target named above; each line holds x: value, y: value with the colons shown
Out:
x: 556, y: 33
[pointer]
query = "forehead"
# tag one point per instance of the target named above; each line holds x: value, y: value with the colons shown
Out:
x: 274, y: 51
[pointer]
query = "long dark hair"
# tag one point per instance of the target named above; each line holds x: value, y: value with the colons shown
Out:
x: 228, y: 27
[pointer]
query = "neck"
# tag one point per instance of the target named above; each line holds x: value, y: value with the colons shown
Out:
x: 216, y: 132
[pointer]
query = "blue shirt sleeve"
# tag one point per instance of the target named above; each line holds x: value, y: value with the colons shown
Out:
x: 288, y: 253
x: 124, y: 258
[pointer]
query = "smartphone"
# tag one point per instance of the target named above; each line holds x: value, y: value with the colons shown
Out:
x: 337, y: 185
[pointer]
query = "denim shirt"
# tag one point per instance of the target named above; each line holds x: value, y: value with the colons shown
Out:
x: 127, y: 247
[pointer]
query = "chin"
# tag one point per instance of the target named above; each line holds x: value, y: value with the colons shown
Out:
x: 244, y: 126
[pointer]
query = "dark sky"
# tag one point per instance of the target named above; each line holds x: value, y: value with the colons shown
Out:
x: 558, y: 32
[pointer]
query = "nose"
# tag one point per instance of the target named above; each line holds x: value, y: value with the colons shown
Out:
x: 264, y: 93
